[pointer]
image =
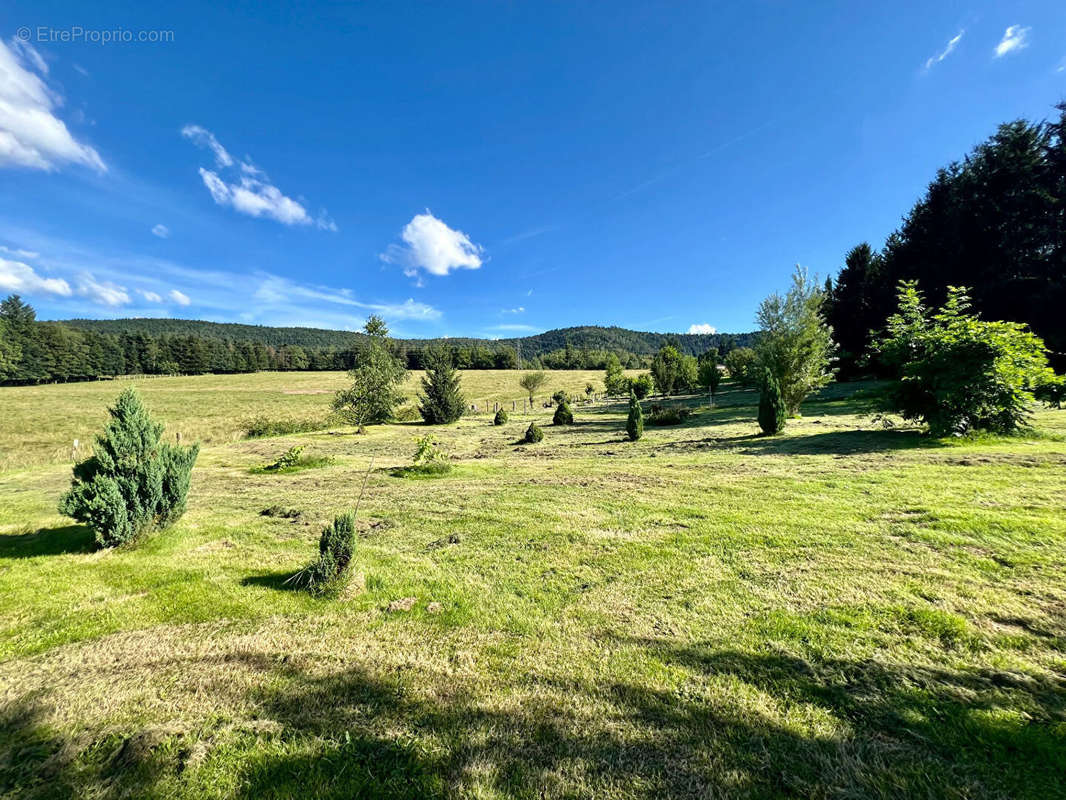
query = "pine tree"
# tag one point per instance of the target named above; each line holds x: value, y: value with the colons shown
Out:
x: 635, y: 421
x: 133, y: 482
x: 533, y: 433
x: 771, y: 405
x: 441, y: 401
x: 500, y: 418
x: 376, y: 377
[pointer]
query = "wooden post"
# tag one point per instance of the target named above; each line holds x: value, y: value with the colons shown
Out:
x: 514, y: 405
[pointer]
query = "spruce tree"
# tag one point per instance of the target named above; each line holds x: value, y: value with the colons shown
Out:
x: 133, y: 482
x: 441, y: 401
x: 771, y: 405
x: 635, y: 421
x: 533, y: 434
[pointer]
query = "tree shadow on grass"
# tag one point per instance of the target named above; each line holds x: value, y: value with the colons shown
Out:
x: 67, y: 539
x: 847, y: 442
x: 280, y: 581
x: 371, y: 730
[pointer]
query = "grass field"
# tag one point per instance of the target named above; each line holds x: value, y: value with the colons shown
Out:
x: 842, y: 611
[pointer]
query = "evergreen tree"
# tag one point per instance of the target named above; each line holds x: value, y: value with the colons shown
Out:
x: 564, y: 415
x: 533, y: 434
x: 133, y: 482
x: 635, y: 420
x: 441, y: 401
x: 771, y: 405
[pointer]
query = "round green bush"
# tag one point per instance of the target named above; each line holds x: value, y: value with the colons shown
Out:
x: 563, y: 415
x: 533, y: 434
x: 500, y: 418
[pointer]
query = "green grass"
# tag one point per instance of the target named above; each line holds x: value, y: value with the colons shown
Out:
x: 840, y: 611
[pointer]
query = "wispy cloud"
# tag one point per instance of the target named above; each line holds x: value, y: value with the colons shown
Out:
x: 31, y: 135
x: 151, y: 297
x: 162, y: 231
x: 514, y: 328
x: 202, y: 137
x: 429, y: 244
x: 515, y: 310
x: 250, y: 191
x: 1014, y: 38
x: 702, y: 327
x: 530, y: 234
x: 951, y: 45
x: 180, y: 298
x: 104, y: 293
x: 18, y: 252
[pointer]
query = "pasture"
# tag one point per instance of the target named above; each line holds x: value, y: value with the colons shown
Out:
x: 845, y: 610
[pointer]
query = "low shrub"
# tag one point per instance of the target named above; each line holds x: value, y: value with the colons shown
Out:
x: 667, y: 415
x: 429, y: 461
x: 533, y: 434
x: 329, y: 572
x: 281, y: 512
x: 262, y: 426
x: 293, y: 460
x: 564, y: 415
x: 1052, y: 392
x: 560, y: 397
x: 771, y: 406
x: 500, y: 418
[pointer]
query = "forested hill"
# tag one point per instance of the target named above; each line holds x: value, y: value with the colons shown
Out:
x: 589, y: 337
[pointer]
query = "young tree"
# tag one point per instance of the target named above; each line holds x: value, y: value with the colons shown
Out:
x: 635, y: 420
x: 671, y: 372
x: 133, y: 482
x: 709, y: 374
x: 956, y: 372
x: 531, y: 381
x: 442, y: 401
x: 641, y: 385
x: 376, y: 378
x: 771, y: 405
x: 614, y: 380
x: 795, y: 343
x: 741, y: 363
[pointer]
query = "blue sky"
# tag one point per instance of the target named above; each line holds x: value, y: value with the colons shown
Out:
x: 486, y: 169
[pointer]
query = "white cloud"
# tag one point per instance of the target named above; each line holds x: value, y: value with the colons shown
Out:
x: 515, y: 310
x: 180, y: 298
x: 162, y: 231
x: 514, y: 328
x: 31, y: 135
x: 16, y: 276
x: 202, y: 137
x: 952, y: 43
x: 431, y: 245
x: 702, y: 327
x: 1014, y: 38
x: 151, y: 297
x: 251, y: 193
x: 103, y: 292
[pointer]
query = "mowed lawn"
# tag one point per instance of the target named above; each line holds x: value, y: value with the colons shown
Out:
x: 846, y: 610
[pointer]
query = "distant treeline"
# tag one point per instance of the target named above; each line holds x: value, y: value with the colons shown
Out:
x: 32, y: 351
x: 994, y: 222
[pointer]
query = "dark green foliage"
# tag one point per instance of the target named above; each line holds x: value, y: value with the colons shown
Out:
x: 992, y: 221
x: 614, y: 379
x: 563, y: 414
x: 261, y: 426
x: 559, y: 397
x: 710, y: 377
x: 328, y: 574
x: 957, y: 373
x: 281, y: 512
x: 641, y: 386
x: 500, y: 418
x: 1052, y: 391
x: 441, y: 402
x: 133, y: 482
x: 635, y: 420
x: 771, y: 405
x: 533, y: 434
x: 667, y: 415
